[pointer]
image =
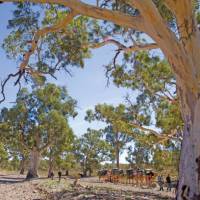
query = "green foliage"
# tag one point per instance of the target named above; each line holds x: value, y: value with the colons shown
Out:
x: 165, y: 159
x: 138, y: 155
x: 168, y: 117
x: 3, y: 156
x: 147, y: 75
x: 154, y: 84
x: 24, y: 21
x: 114, y: 116
x: 57, y: 50
x: 60, y: 154
x: 115, y: 132
x: 68, y: 46
x: 116, y: 138
x: 39, y: 118
x: 91, y: 149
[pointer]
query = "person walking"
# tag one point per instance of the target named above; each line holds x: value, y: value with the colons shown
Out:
x: 161, y: 182
x: 52, y: 175
x: 168, y: 181
x: 59, y: 175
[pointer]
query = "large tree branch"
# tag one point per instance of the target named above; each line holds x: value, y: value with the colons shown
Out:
x: 183, y: 11
x: 156, y: 25
x: 48, y: 143
x: 162, y: 137
x: 170, y: 136
x: 22, y: 139
x: 24, y: 67
x: 44, y: 147
x: 42, y: 32
x: 173, y: 49
x: 149, y: 21
x: 147, y: 130
x: 135, y: 22
x: 24, y: 144
x: 136, y: 47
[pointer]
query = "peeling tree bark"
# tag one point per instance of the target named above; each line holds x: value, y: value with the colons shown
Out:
x: 33, y: 163
x: 189, y: 166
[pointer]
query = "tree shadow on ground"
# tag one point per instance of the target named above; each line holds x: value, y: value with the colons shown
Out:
x: 6, y: 179
x: 82, y: 193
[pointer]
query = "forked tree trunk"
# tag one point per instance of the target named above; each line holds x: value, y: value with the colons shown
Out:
x: 189, y: 167
x: 34, y: 163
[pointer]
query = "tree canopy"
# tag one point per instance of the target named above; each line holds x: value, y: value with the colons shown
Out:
x: 38, y: 118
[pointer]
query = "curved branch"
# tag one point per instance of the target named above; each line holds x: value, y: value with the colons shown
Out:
x: 3, y: 84
x: 150, y: 131
x: 158, y: 28
x: 136, y: 47
x: 24, y: 65
x: 163, y: 137
x: 149, y: 21
x: 170, y: 136
x: 22, y: 142
x: 43, y: 32
x: 22, y: 139
x: 168, y: 42
x: 183, y: 11
x: 135, y: 22
x: 43, y: 148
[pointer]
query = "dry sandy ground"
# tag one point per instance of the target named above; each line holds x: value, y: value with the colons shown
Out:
x: 14, y: 187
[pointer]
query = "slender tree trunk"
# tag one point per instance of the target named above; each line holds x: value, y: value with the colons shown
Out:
x: 117, y: 156
x: 117, y: 150
x: 50, y: 164
x: 22, y: 165
x: 34, y: 163
x: 189, y: 166
x: 50, y: 168
x: 85, y: 167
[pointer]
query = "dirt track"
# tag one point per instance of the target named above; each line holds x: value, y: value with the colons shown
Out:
x: 14, y: 187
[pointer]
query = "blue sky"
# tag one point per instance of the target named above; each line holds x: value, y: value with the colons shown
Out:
x: 87, y: 85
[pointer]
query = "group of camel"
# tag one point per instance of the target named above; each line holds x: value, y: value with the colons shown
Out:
x: 136, y: 177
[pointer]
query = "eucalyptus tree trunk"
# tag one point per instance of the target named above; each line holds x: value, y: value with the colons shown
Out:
x: 189, y: 166
x: 50, y: 168
x: 183, y: 55
x: 186, y: 66
x: 22, y: 165
x: 117, y: 155
x: 33, y: 163
x: 50, y: 164
x: 117, y: 149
